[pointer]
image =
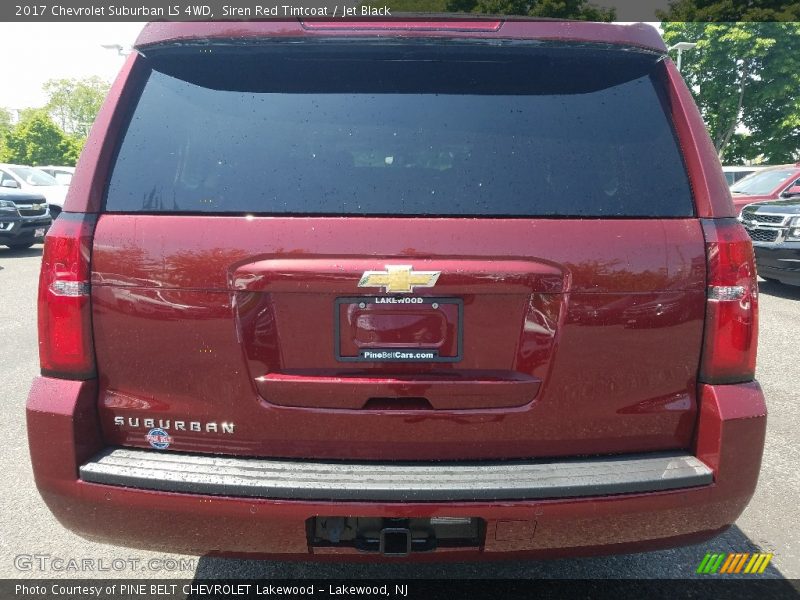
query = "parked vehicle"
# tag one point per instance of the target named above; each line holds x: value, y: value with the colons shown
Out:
x: 773, y: 183
x: 63, y: 175
x: 775, y: 230
x: 416, y: 331
x: 735, y: 173
x: 24, y: 218
x: 31, y: 179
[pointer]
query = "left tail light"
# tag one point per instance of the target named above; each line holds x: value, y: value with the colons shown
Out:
x: 66, y: 349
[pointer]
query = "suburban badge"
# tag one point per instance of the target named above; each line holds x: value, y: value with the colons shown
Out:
x: 399, y: 278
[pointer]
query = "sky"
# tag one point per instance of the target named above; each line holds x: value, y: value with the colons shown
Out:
x: 32, y: 53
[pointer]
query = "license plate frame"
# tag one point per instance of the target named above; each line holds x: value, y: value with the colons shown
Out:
x: 406, y: 353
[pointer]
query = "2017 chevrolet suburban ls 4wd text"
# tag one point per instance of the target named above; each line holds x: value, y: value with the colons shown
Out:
x: 334, y: 288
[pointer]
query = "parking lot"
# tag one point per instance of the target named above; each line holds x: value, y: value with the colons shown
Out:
x: 26, y: 527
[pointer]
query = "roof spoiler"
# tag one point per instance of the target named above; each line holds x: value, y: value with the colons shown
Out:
x: 634, y: 35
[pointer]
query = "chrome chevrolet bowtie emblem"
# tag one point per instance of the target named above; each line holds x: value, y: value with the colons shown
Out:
x: 399, y: 278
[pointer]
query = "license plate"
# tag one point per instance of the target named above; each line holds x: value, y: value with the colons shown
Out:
x: 38, y: 232
x: 398, y: 329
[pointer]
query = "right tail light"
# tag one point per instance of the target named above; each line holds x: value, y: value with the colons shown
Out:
x: 731, y: 329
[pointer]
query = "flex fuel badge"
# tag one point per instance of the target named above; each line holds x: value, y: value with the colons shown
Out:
x: 158, y: 439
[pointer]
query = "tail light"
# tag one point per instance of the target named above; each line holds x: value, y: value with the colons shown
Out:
x: 65, y: 320
x: 731, y: 333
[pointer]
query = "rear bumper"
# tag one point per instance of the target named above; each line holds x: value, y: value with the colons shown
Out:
x: 779, y: 261
x: 395, y: 482
x: 64, y: 436
x: 23, y: 230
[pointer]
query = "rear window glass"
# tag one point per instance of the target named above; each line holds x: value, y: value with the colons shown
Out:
x: 404, y: 129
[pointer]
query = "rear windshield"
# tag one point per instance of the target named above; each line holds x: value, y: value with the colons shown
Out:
x: 401, y: 129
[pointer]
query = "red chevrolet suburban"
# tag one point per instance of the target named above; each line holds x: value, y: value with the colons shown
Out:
x: 773, y: 183
x: 444, y: 288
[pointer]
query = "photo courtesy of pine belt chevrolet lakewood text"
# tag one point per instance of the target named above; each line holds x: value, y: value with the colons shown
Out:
x: 373, y: 312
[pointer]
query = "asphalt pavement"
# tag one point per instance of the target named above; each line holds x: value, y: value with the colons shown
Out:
x: 34, y: 545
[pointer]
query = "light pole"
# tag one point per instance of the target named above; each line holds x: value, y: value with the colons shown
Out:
x: 680, y: 47
x: 121, y: 50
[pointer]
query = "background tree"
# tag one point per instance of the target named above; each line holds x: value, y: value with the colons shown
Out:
x: 564, y: 9
x: 729, y: 11
x: 5, y: 121
x: 36, y: 140
x: 73, y: 103
x: 5, y: 127
x: 415, y: 6
x: 745, y: 77
x: 557, y: 9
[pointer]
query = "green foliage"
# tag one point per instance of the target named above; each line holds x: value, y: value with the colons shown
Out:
x: 745, y: 78
x: 415, y: 6
x: 71, y: 149
x: 729, y: 11
x: 5, y: 121
x: 557, y: 9
x: 73, y: 104
x: 36, y: 140
x: 5, y: 127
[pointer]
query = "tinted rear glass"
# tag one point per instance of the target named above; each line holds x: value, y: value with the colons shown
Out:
x: 405, y: 129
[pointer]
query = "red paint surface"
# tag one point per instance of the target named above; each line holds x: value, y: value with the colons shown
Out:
x: 595, y: 323
x: 730, y: 439
x: 712, y: 197
x: 412, y: 25
x: 454, y: 391
x: 88, y: 185
x: 636, y: 35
